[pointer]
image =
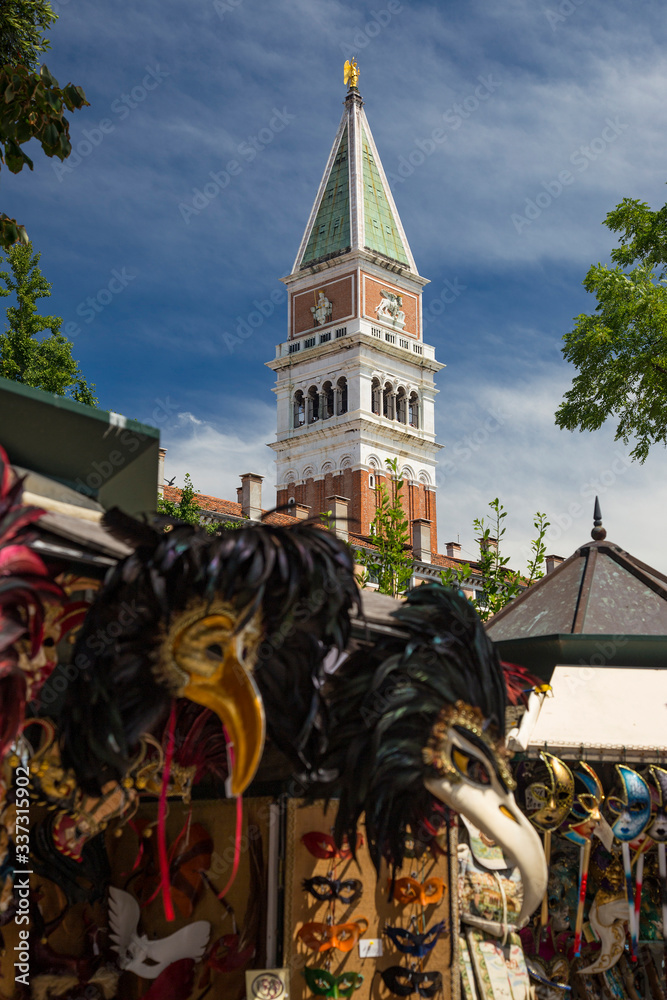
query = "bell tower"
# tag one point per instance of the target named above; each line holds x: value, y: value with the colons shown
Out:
x: 354, y: 378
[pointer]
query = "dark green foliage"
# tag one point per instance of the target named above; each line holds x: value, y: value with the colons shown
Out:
x: 383, y: 703
x: 22, y: 27
x: 620, y: 350
x: 32, y: 103
x: 47, y: 363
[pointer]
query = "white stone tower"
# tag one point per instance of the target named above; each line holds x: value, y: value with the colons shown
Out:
x: 354, y: 379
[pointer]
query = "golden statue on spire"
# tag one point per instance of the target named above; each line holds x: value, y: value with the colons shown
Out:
x: 351, y: 73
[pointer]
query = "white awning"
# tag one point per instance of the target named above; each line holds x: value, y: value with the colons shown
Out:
x: 601, y: 713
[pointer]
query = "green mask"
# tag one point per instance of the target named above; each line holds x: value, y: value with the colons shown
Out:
x: 324, y: 984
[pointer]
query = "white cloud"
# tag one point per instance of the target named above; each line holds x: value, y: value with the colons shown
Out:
x: 215, y: 457
x: 502, y: 442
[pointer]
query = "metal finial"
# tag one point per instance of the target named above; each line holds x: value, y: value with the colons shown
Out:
x: 598, y: 534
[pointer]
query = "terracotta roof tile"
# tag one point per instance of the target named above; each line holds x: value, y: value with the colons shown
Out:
x: 215, y: 505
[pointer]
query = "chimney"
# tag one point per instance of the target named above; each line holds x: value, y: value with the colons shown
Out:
x: 453, y: 549
x: 490, y: 544
x: 338, y: 508
x: 421, y: 539
x: 301, y: 511
x: 160, y: 471
x: 552, y: 562
x: 251, y: 496
x: 239, y: 494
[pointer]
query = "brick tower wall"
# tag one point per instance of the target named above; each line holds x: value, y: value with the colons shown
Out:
x: 418, y: 500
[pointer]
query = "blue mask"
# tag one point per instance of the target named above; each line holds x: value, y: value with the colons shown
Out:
x: 633, y: 808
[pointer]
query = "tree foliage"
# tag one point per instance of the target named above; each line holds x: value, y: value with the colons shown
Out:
x: 187, y: 509
x: 390, y: 564
x: 22, y: 27
x: 47, y: 363
x: 32, y: 103
x: 620, y: 350
x: 500, y: 584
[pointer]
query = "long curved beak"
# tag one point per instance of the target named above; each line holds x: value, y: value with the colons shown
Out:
x: 232, y: 694
x: 498, y: 816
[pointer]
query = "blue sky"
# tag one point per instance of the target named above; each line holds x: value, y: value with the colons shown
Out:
x: 552, y: 113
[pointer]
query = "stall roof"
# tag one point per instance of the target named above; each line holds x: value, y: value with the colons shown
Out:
x: 97, y: 453
x: 602, y: 713
x: 600, y: 590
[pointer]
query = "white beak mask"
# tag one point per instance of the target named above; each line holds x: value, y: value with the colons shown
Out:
x: 472, y: 776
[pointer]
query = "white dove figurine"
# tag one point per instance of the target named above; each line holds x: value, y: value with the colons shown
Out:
x: 139, y: 954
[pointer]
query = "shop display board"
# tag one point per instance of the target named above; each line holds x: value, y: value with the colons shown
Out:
x: 244, y: 911
x: 374, y: 951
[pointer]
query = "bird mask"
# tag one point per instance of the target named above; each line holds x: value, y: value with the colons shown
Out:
x: 207, y: 656
x: 474, y: 779
x: 419, y: 714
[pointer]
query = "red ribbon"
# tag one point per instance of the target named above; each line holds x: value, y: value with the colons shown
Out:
x: 162, y: 818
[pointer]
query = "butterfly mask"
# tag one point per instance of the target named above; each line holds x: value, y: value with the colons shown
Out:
x: 403, y: 982
x: 322, y: 937
x: 325, y: 984
x: 408, y: 890
x: 417, y: 945
x: 323, y: 888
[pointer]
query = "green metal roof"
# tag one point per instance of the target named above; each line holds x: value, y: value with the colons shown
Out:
x: 382, y: 233
x: 331, y: 231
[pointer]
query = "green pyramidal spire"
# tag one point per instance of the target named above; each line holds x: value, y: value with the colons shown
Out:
x: 354, y: 208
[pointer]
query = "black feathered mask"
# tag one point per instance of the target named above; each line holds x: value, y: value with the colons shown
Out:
x: 234, y: 622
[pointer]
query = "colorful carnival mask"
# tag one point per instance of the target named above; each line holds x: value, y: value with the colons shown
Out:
x: 607, y: 916
x: 324, y: 984
x: 322, y: 937
x: 548, y: 804
x: 409, y: 890
x: 586, y: 806
x: 403, y: 982
x: 475, y: 780
x: 323, y: 888
x: 322, y: 845
x: 417, y: 945
x: 207, y: 655
x: 658, y: 829
x: 633, y: 807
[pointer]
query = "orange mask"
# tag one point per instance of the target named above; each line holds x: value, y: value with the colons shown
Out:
x: 323, y: 937
x: 408, y: 890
